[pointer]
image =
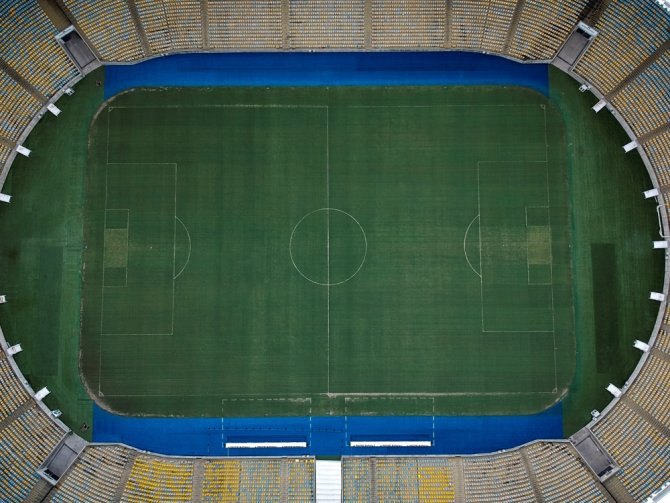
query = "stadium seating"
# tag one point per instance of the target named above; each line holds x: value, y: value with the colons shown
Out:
x: 30, y: 48
x: 95, y: 476
x: 12, y: 394
x: 109, y: 27
x: 400, y: 24
x: 481, y: 26
x: 650, y: 389
x: 645, y: 101
x: 496, y: 477
x: 658, y: 150
x: 629, y: 32
x: 24, y: 444
x: 249, y: 24
x: 324, y: 24
x: 639, y: 448
x: 543, y: 27
x: 159, y: 479
x: 560, y: 473
x: 17, y: 107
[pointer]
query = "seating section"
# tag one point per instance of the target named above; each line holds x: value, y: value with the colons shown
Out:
x: 650, y: 389
x: 4, y: 154
x: 496, y: 477
x: 663, y: 341
x: 658, y: 151
x: 158, y: 479
x: 29, y: 47
x: 109, y: 27
x: 425, y: 479
x: 560, y: 473
x: 326, y: 24
x: 300, y: 479
x: 645, y: 101
x: 155, y: 25
x: 221, y: 481
x: 17, y: 107
x: 249, y: 24
x: 356, y: 479
x: 629, y: 32
x: 543, y: 26
x: 184, y: 17
x: 480, y: 26
x: 95, y: 476
x: 12, y: 393
x: 640, y: 450
x: 400, y: 24
x: 24, y: 444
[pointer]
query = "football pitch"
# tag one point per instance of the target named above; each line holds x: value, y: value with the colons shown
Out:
x: 304, y: 251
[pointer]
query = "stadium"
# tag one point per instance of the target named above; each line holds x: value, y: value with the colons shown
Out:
x: 322, y: 250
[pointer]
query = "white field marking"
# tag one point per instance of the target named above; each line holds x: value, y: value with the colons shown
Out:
x: 318, y: 282
x: 481, y: 280
x: 551, y: 257
x: 102, y: 310
x: 220, y: 105
x: 348, y: 398
x: 464, y: 250
x: 442, y: 106
x: 328, y: 249
x: 337, y: 395
x: 188, y: 258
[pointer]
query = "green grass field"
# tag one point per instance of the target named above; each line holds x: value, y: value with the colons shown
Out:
x: 426, y: 206
x: 297, y: 251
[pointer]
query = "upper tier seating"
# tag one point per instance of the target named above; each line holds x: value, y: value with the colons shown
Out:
x: 159, y: 479
x: 639, y: 448
x: 543, y: 27
x: 95, y: 476
x: 17, y: 107
x: 12, y: 393
x: 402, y: 24
x: 629, y: 32
x: 324, y: 24
x: 251, y: 24
x: 109, y: 27
x: 561, y: 475
x: 481, y: 26
x: 496, y: 477
x: 658, y: 150
x: 25, y: 443
x: 645, y: 101
x: 29, y: 47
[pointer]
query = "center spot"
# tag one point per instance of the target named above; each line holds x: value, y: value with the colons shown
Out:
x: 328, y: 246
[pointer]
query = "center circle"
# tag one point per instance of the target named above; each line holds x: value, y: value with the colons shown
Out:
x: 328, y: 246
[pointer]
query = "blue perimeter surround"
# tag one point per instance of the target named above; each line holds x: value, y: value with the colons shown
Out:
x: 326, y: 69
x: 326, y: 436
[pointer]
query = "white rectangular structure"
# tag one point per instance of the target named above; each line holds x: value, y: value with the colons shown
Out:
x: 69, y: 91
x: 614, y: 390
x: 41, y: 394
x: 328, y: 481
x: 642, y: 346
x: 660, y: 244
x: 264, y: 445
x: 391, y: 443
x: 648, y: 194
x: 5, y: 198
x: 16, y: 348
x: 630, y: 146
x: 3, y: 299
x: 656, y: 296
x: 53, y: 109
x: 23, y: 150
x: 599, y: 106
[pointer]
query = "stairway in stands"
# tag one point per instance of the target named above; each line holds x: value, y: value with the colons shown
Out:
x: 328, y: 481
